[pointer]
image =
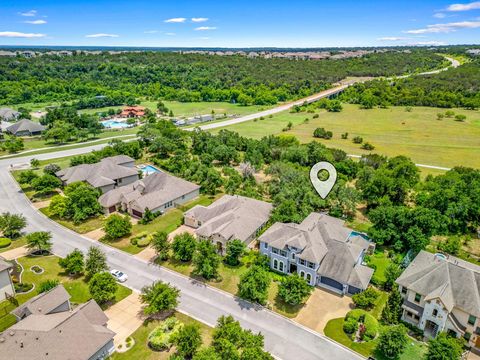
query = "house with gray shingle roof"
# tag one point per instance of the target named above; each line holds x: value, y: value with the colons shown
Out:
x: 49, y: 329
x: 25, y: 127
x: 442, y: 293
x: 6, y: 284
x: 7, y: 114
x: 110, y: 173
x: 157, y: 192
x: 322, y: 250
x: 231, y: 217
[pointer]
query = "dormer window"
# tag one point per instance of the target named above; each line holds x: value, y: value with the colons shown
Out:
x: 417, y: 297
x: 471, y: 320
x: 435, y: 312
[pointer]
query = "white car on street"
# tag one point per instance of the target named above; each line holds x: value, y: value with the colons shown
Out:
x: 120, y: 276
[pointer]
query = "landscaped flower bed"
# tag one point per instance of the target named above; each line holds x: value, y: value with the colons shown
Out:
x: 360, y: 325
x: 37, y: 269
x: 161, y: 337
x: 21, y: 288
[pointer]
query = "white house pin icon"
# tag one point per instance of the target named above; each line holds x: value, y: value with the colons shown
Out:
x: 323, y: 187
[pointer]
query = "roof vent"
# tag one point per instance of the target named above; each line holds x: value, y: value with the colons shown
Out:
x: 2, y: 340
x: 11, y: 333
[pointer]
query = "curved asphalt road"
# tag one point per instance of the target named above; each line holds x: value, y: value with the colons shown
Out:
x: 283, y: 338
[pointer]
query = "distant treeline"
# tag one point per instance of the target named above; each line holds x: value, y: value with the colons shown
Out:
x: 456, y: 87
x: 189, y: 77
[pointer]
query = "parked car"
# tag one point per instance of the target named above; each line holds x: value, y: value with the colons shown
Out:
x: 119, y: 276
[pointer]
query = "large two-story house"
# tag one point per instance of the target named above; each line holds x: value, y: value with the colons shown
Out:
x: 442, y: 293
x: 322, y: 250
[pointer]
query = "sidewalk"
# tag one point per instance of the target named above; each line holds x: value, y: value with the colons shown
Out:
x: 15, y: 253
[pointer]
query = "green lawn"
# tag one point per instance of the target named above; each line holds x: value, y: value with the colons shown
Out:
x: 167, y: 222
x: 82, y: 228
x: 76, y: 287
x: 334, y: 330
x: 141, y: 350
x: 229, y: 278
x: 380, y: 261
x: 393, y: 131
x: 16, y: 243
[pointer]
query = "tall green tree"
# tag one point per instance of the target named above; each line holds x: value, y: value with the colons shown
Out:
x: 159, y: 297
x: 188, y: 340
x: 393, y: 341
x: 11, y: 225
x: 183, y: 246
x: 39, y: 241
x: 444, y: 347
x: 117, y: 226
x: 235, y: 250
x: 161, y: 244
x: 392, y: 312
x: 73, y: 263
x: 95, y: 262
x: 254, y: 285
x: 294, y: 289
x: 206, y: 260
x: 102, y: 286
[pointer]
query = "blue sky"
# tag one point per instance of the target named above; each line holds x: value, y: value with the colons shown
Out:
x: 280, y: 23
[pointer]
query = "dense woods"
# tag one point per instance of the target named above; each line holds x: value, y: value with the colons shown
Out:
x: 118, y: 78
x: 456, y: 87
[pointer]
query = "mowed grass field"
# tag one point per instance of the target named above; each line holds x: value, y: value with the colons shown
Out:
x: 393, y: 131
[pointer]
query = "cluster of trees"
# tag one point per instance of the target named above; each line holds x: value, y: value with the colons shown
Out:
x: 65, y: 124
x: 456, y: 87
x: 188, y: 77
x: 115, y: 147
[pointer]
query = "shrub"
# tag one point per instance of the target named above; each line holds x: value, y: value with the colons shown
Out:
x: 22, y: 287
x: 5, y: 242
x: 350, y: 326
x: 460, y: 117
x: 449, y: 113
x: 322, y: 133
x: 47, y: 285
x: 117, y: 226
x: 357, y: 140
x: 371, y: 327
x: 144, y: 241
x: 161, y: 337
x: 368, y: 146
x: 345, y: 136
x: 316, y: 116
x: 51, y: 169
x: 27, y: 176
x: 365, y: 299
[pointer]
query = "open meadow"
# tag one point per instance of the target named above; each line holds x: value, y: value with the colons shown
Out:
x: 393, y: 131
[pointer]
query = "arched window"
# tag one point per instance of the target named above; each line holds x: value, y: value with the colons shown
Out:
x: 309, y: 278
x: 302, y: 274
x: 281, y: 265
x: 275, y: 264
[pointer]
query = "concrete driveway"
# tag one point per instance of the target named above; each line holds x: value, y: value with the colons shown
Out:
x: 321, y: 307
x: 125, y: 317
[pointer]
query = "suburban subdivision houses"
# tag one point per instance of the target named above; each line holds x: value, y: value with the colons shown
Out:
x: 157, y: 192
x: 108, y: 174
x: 321, y: 250
x: 6, y: 284
x: 229, y: 218
x: 442, y: 293
x: 48, y: 328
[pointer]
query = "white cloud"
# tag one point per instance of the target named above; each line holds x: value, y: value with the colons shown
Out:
x: 150, y: 32
x: 464, y: 7
x: 429, y: 43
x: 445, y: 28
x: 170, y: 34
x: 15, y: 34
x: 101, y: 35
x: 35, y: 22
x: 205, y: 28
x: 199, y: 19
x: 29, y: 13
x: 175, y: 20
x: 439, y: 15
x: 391, y: 38
x: 204, y: 38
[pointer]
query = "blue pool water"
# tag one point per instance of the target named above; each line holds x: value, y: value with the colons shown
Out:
x: 114, y: 124
x: 149, y: 169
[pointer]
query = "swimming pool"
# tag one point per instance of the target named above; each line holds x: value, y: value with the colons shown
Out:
x: 115, y: 124
x: 148, y: 170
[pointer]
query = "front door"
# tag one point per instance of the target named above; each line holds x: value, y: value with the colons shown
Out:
x: 293, y: 268
x: 477, y: 342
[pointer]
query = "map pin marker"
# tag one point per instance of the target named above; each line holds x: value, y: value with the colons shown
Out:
x: 323, y: 187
